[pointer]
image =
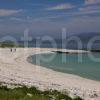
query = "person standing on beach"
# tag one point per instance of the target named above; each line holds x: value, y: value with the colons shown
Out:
x: 15, y: 49
x: 11, y: 49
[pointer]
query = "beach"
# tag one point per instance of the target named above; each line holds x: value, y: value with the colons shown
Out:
x: 15, y: 69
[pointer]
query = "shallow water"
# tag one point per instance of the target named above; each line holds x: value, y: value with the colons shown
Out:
x: 68, y: 63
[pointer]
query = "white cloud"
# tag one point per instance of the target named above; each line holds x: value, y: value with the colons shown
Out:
x: 83, y: 13
x: 88, y: 12
x: 79, y: 13
x: 89, y: 8
x: 8, y: 12
x: 92, y: 1
x: 61, y: 7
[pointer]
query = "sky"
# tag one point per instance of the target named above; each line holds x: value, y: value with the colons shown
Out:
x: 49, y: 16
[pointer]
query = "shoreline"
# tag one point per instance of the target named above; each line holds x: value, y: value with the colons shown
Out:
x: 15, y: 69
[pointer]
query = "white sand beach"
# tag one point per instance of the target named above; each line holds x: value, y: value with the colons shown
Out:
x: 15, y: 69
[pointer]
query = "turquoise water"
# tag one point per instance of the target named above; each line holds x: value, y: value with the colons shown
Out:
x: 88, y: 68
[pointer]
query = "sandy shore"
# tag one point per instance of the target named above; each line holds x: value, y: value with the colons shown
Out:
x: 15, y: 69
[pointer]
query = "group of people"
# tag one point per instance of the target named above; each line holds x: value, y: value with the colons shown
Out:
x: 13, y: 49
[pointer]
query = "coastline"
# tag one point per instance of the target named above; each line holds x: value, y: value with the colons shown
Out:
x: 14, y: 69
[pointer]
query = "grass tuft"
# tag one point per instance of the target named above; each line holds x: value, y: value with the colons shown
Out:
x: 32, y: 93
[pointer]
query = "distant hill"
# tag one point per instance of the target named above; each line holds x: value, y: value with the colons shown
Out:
x: 87, y: 36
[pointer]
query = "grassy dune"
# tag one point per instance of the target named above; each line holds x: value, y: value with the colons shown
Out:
x: 9, y: 45
x: 24, y: 93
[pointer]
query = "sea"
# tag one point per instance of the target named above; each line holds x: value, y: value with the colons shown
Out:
x: 87, y: 67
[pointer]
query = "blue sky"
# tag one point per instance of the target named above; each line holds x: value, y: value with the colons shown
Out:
x: 49, y: 16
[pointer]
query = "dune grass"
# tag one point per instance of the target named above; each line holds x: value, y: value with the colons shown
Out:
x: 24, y: 93
x: 10, y: 45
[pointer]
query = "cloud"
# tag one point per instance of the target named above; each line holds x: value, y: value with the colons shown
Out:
x: 75, y: 14
x: 92, y: 1
x: 83, y: 13
x: 61, y: 7
x: 89, y: 8
x: 88, y: 12
x: 8, y: 12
